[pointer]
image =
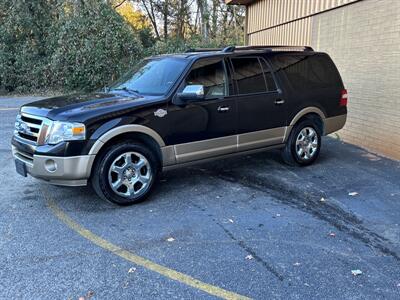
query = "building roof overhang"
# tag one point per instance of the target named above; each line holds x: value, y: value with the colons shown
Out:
x: 239, y: 2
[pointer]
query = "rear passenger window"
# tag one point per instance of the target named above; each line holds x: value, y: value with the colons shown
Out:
x: 249, y: 75
x: 308, y: 72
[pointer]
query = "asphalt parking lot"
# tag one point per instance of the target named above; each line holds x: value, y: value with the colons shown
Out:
x: 248, y: 226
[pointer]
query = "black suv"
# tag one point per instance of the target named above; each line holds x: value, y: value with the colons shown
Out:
x: 172, y: 110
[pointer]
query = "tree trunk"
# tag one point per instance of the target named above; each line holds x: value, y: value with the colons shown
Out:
x: 214, y: 18
x: 150, y: 13
x: 165, y: 18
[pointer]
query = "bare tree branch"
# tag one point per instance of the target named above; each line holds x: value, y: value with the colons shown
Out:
x: 118, y: 5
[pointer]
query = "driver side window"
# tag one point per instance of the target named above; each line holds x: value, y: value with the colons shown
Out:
x: 211, y: 74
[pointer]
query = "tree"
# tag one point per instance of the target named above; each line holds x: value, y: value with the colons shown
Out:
x: 59, y: 44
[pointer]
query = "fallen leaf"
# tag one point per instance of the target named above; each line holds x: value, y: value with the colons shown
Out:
x: 218, y: 197
x: 353, y: 194
x: 332, y: 234
x: 296, y: 264
x: 249, y: 257
x: 306, y: 284
x: 371, y: 157
x: 278, y: 215
x: 131, y: 270
x: 322, y: 199
x: 170, y: 239
x: 230, y: 220
x: 356, y: 272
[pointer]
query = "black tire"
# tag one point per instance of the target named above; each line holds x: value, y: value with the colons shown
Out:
x: 101, y: 172
x: 290, y: 155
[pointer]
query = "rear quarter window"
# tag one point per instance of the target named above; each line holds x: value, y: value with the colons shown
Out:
x: 308, y: 71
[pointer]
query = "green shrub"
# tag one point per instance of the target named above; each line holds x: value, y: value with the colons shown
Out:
x: 24, y: 48
x: 93, y: 46
x: 63, y: 45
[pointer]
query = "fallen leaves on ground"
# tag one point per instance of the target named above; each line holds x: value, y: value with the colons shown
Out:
x: 353, y: 194
x: 371, y: 157
x: 88, y: 295
x: 131, y: 270
x: 356, y: 272
x: 296, y: 264
x: 170, y: 239
x: 332, y: 234
x: 249, y: 257
x: 323, y: 199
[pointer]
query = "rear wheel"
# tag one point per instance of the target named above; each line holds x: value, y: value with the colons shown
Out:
x: 125, y: 173
x: 303, y: 145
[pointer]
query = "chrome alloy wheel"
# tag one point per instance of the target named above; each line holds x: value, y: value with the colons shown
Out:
x: 306, y: 143
x: 130, y: 175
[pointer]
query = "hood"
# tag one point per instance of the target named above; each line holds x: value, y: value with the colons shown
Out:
x: 80, y: 108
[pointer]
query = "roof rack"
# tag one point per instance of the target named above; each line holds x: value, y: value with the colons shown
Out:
x: 276, y: 47
x: 231, y: 49
x: 203, y: 50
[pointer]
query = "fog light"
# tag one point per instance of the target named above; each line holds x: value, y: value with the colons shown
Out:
x: 50, y: 165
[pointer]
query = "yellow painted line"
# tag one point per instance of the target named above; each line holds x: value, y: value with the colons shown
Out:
x: 8, y: 108
x: 138, y: 260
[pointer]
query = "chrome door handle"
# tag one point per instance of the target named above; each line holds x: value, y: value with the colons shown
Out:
x: 279, y: 101
x: 223, y: 108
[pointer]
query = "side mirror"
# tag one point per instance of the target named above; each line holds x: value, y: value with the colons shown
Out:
x: 192, y: 93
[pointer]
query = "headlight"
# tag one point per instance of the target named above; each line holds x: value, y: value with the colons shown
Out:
x: 65, y: 131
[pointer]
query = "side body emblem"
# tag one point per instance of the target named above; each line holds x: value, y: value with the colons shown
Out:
x: 160, y: 113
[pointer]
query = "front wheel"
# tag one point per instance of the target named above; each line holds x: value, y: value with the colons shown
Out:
x: 125, y: 173
x: 303, y: 145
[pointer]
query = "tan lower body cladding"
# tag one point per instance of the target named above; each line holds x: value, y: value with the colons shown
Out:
x: 200, y: 150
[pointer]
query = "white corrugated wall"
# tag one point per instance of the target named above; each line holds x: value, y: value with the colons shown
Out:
x: 266, y: 20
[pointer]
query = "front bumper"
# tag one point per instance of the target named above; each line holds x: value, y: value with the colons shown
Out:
x: 68, y: 171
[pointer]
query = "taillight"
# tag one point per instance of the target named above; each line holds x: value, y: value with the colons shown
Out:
x: 343, y: 98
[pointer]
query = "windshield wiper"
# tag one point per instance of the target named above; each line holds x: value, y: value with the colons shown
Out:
x: 127, y: 90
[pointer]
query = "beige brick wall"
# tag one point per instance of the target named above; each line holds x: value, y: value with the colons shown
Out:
x: 364, y: 41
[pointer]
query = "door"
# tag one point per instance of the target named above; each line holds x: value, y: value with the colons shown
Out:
x: 207, y: 127
x: 261, y: 106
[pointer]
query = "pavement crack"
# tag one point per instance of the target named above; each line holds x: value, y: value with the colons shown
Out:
x: 250, y: 251
x: 308, y: 202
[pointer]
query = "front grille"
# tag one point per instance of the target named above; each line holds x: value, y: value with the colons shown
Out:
x: 30, y: 128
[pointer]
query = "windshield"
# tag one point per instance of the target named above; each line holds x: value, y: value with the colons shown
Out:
x: 151, y: 76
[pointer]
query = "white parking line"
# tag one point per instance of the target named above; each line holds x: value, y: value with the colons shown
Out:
x: 138, y: 260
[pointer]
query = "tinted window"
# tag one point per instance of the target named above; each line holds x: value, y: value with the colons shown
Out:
x: 210, y: 74
x: 154, y: 76
x: 269, y: 79
x: 248, y: 75
x: 309, y: 72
